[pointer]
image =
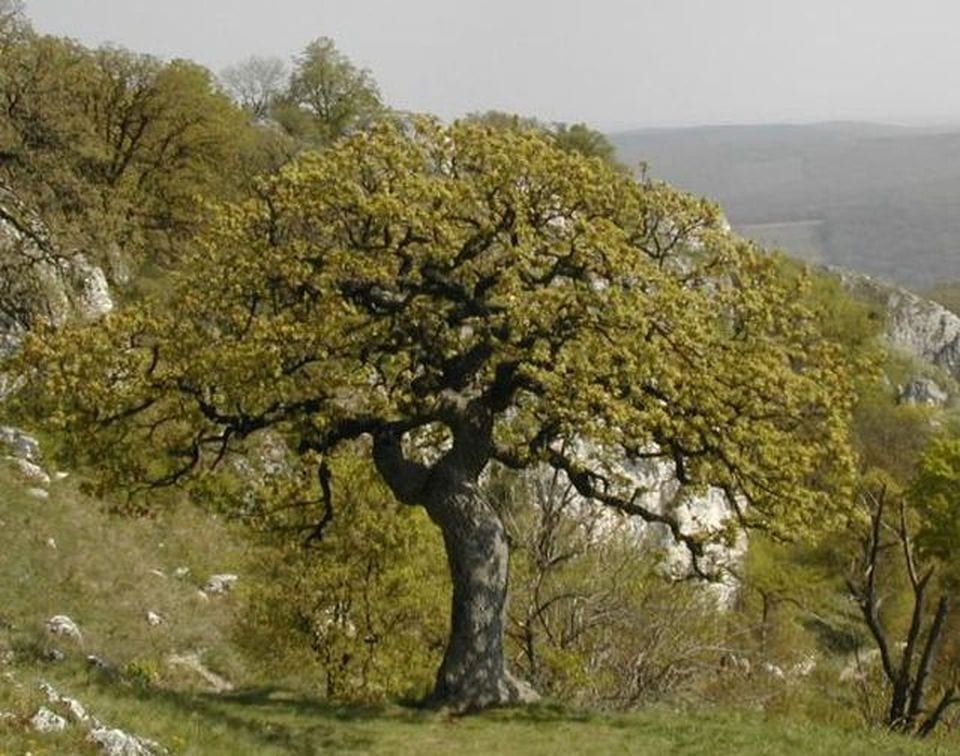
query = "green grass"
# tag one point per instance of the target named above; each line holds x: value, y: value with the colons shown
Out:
x: 100, y: 573
x: 262, y: 721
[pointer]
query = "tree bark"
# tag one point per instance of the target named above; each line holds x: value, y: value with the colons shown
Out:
x: 474, y: 674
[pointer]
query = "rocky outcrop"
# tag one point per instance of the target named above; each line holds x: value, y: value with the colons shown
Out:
x: 112, y: 741
x: 62, y: 625
x: 19, y: 444
x: 217, y: 584
x: 921, y: 328
x: 40, y: 280
x: 923, y: 391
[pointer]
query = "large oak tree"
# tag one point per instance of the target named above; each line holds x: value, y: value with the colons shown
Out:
x: 447, y: 298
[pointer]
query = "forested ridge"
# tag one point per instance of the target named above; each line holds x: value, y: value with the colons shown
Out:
x: 313, y: 406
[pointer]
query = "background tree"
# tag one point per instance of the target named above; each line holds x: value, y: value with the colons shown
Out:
x: 256, y: 83
x: 111, y: 148
x: 452, y: 297
x: 327, y: 96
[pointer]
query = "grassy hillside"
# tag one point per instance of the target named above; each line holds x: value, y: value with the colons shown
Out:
x: 65, y: 555
x: 881, y: 199
x: 261, y: 722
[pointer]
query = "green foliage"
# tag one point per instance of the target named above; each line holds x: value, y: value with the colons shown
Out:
x: 594, y: 618
x: 327, y: 96
x: 111, y: 148
x: 578, y: 138
x: 461, y: 295
x: 361, y: 611
x: 935, y: 496
x: 603, y: 309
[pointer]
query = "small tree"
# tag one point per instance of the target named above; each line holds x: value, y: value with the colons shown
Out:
x: 921, y: 677
x: 256, y: 83
x: 328, y: 96
x: 456, y: 296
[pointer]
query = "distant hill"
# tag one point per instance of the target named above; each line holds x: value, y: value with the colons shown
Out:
x: 877, y: 198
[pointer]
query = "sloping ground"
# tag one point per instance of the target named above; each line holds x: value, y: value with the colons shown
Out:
x: 61, y: 554
x: 258, y: 722
x: 88, y: 597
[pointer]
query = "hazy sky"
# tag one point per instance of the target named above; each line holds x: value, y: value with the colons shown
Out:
x: 612, y: 63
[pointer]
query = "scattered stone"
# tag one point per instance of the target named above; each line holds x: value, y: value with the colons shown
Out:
x: 923, y: 391
x: 61, y: 624
x: 203, y: 596
x: 51, y: 542
x: 158, y: 573
x: 61, y: 475
x: 181, y: 572
x: 54, y: 655
x: 220, y: 583
x: 38, y: 493
x: 774, y: 671
x: 192, y: 663
x: 154, y: 619
x: 804, y: 667
x: 74, y: 709
x: 101, y: 665
x: 31, y: 471
x: 19, y: 443
x: 46, y: 721
x: 115, y: 742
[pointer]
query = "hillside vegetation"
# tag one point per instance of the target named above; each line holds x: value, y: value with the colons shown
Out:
x: 354, y: 377
x: 103, y: 572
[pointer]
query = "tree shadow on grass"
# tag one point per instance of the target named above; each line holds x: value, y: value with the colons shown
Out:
x: 300, y: 724
x: 272, y: 718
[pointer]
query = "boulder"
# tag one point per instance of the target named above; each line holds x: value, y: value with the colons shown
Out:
x: 46, y: 721
x: 31, y: 471
x: 220, y: 583
x: 19, y: 444
x: 61, y: 624
x: 923, y: 391
x: 114, y: 742
x: 71, y: 706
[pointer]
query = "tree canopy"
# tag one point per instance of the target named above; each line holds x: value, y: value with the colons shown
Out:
x: 327, y: 96
x: 448, y: 298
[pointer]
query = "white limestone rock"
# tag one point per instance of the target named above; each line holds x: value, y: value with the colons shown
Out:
x: 46, y: 721
x: 114, y: 742
x: 217, y: 584
x: 20, y: 444
x: 71, y: 706
x: 924, y: 391
x: 62, y: 625
x: 30, y: 471
x: 923, y: 329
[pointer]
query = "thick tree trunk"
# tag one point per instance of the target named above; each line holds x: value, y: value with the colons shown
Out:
x: 473, y: 674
